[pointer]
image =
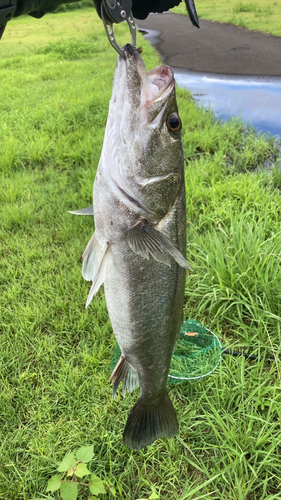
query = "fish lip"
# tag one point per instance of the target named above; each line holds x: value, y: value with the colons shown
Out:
x: 161, y: 76
x: 130, y: 50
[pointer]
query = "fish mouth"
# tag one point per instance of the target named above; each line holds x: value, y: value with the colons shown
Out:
x: 157, y: 83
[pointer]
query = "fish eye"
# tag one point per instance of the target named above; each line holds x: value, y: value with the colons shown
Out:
x: 174, y: 122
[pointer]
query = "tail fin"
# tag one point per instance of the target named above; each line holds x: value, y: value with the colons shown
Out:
x: 149, y: 422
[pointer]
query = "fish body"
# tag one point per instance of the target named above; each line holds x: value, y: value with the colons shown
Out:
x: 138, y: 248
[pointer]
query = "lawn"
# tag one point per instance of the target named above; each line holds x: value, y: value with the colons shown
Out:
x: 259, y: 15
x: 55, y: 396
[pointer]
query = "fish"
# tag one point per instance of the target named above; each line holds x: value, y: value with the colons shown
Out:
x: 138, y: 248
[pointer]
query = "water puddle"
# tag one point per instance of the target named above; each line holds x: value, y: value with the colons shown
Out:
x: 256, y: 100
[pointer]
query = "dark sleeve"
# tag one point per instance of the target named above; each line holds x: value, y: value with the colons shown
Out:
x: 141, y: 8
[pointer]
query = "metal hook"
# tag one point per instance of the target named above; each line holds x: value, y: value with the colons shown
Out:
x: 133, y: 29
x: 110, y: 34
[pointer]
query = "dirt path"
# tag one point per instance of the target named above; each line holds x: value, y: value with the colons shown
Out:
x: 215, y: 47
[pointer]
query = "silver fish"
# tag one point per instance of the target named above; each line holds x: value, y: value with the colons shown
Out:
x: 139, y: 243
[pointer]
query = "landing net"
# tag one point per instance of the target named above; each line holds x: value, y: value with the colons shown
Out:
x: 197, y: 353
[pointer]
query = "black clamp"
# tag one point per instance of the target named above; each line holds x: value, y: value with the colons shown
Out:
x: 116, y: 11
x: 7, y: 10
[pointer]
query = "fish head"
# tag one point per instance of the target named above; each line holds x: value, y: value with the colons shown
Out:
x: 144, y: 128
x: 144, y: 101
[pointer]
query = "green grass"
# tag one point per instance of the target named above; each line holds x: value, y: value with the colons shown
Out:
x: 259, y: 15
x: 55, y: 355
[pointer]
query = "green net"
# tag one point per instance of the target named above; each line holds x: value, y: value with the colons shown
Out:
x: 197, y: 353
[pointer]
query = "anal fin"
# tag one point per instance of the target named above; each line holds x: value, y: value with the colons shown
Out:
x: 124, y: 372
x: 146, y: 241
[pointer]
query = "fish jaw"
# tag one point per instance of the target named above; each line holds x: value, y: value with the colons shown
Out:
x: 139, y: 93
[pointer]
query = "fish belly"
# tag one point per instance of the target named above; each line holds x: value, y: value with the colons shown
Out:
x: 145, y: 303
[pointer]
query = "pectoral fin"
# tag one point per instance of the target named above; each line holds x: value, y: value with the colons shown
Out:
x: 146, y: 241
x: 97, y: 260
x: 83, y: 211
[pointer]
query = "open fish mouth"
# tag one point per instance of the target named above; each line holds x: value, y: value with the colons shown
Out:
x: 161, y: 82
x: 156, y: 83
x: 140, y: 98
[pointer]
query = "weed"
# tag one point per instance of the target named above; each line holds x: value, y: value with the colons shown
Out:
x: 55, y: 356
x: 253, y: 7
x: 74, y: 477
x: 70, y: 49
x: 276, y: 177
x: 74, y: 6
x: 250, y: 15
x: 245, y: 7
